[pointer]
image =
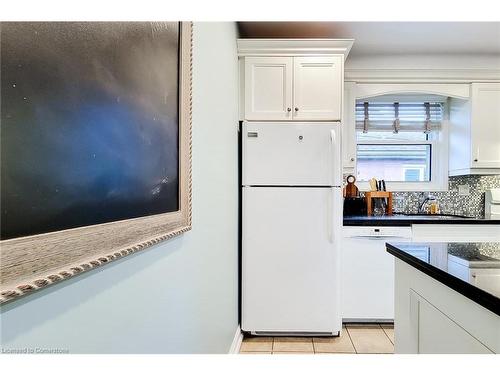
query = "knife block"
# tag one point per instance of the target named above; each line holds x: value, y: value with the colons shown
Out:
x: 369, y: 195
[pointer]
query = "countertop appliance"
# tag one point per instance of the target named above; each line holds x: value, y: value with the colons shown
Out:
x: 476, y: 268
x: 492, y: 204
x: 354, y: 206
x: 292, y: 218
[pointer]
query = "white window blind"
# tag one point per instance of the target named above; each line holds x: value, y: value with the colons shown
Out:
x: 398, y: 117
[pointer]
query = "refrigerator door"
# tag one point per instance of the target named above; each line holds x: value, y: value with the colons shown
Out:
x: 291, y: 154
x: 290, y: 262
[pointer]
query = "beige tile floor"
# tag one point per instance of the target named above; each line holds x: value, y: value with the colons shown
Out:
x: 355, y: 338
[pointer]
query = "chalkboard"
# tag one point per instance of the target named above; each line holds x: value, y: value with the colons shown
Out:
x: 89, y: 123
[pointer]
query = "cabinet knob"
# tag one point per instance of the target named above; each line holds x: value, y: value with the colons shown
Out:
x: 475, y: 160
x: 289, y: 109
x: 296, y: 109
x: 352, y: 159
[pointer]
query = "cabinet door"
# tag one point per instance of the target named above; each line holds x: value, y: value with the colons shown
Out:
x: 317, y: 88
x: 349, y: 129
x: 432, y: 332
x: 268, y: 88
x: 485, y: 130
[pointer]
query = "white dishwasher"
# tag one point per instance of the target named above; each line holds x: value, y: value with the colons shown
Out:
x: 368, y: 272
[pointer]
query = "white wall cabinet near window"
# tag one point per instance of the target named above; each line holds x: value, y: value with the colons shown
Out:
x: 475, y: 131
x: 293, y: 88
x: 292, y: 80
x: 349, y: 146
x: 485, y: 118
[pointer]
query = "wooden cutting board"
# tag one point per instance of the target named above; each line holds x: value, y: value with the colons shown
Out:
x: 351, y: 190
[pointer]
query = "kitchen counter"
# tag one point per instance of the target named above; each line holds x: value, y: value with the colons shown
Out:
x: 446, y: 297
x: 471, y: 269
x: 399, y: 220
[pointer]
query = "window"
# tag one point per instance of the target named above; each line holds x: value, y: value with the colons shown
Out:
x: 402, y: 143
x: 394, y: 162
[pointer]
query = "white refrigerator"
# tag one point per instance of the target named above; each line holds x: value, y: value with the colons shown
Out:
x: 291, y: 222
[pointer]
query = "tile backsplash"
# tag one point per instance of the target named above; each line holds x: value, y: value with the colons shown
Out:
x: 450, y: 202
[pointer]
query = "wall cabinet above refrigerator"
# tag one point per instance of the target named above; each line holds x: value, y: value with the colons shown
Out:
x: 291, y: 80
x: 475, y: 132
x: 293, y: 88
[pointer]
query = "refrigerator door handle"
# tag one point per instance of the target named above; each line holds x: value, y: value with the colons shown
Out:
x: 329, y: 221
x: 335, y: 156
x: 332, y: 163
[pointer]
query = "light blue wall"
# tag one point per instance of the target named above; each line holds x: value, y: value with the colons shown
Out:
x: 179, y: 296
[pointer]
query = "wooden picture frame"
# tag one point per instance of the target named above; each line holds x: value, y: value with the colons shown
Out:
x: 30, y: 263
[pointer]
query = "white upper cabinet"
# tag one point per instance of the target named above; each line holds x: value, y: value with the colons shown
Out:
x: 293, y: 88
x: 349, y: 146
x: 475, y: 131
x: 317, y: 88
x: 292, y: 79
x: 268, y: 88
x: 485, y: 129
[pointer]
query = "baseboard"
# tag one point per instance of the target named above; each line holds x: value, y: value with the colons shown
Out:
x: 237, y: 340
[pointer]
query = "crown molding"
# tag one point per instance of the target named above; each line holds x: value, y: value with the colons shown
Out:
x: 293, y: 47
x: 422, y: 75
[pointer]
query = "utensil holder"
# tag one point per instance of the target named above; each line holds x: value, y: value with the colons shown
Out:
x: 369, y: 195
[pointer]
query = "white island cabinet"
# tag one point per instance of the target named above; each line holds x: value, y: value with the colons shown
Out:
x: 431, y: 318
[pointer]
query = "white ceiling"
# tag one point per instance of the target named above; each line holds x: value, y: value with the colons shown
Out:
x: 390, y: 37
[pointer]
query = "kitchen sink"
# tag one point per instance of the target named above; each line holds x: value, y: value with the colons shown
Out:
x: 432, y: 215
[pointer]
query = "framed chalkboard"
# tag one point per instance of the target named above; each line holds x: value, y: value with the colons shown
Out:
x: 95, y: 145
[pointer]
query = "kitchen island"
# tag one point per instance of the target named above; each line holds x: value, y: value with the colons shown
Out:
x: 447, y: 297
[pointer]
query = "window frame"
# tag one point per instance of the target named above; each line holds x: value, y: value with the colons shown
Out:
x: 439, y: 160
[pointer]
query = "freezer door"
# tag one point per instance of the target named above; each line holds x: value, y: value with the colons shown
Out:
x: 290, y: 267
x: 291, y: 154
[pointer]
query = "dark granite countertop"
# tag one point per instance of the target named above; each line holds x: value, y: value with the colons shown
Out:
x: 401, y: 220
x: 457, y: 265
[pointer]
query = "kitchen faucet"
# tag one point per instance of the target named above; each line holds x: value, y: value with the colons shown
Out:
x: 429, y: 197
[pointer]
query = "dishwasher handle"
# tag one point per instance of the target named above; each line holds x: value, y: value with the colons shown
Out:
x: 379, y: 237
